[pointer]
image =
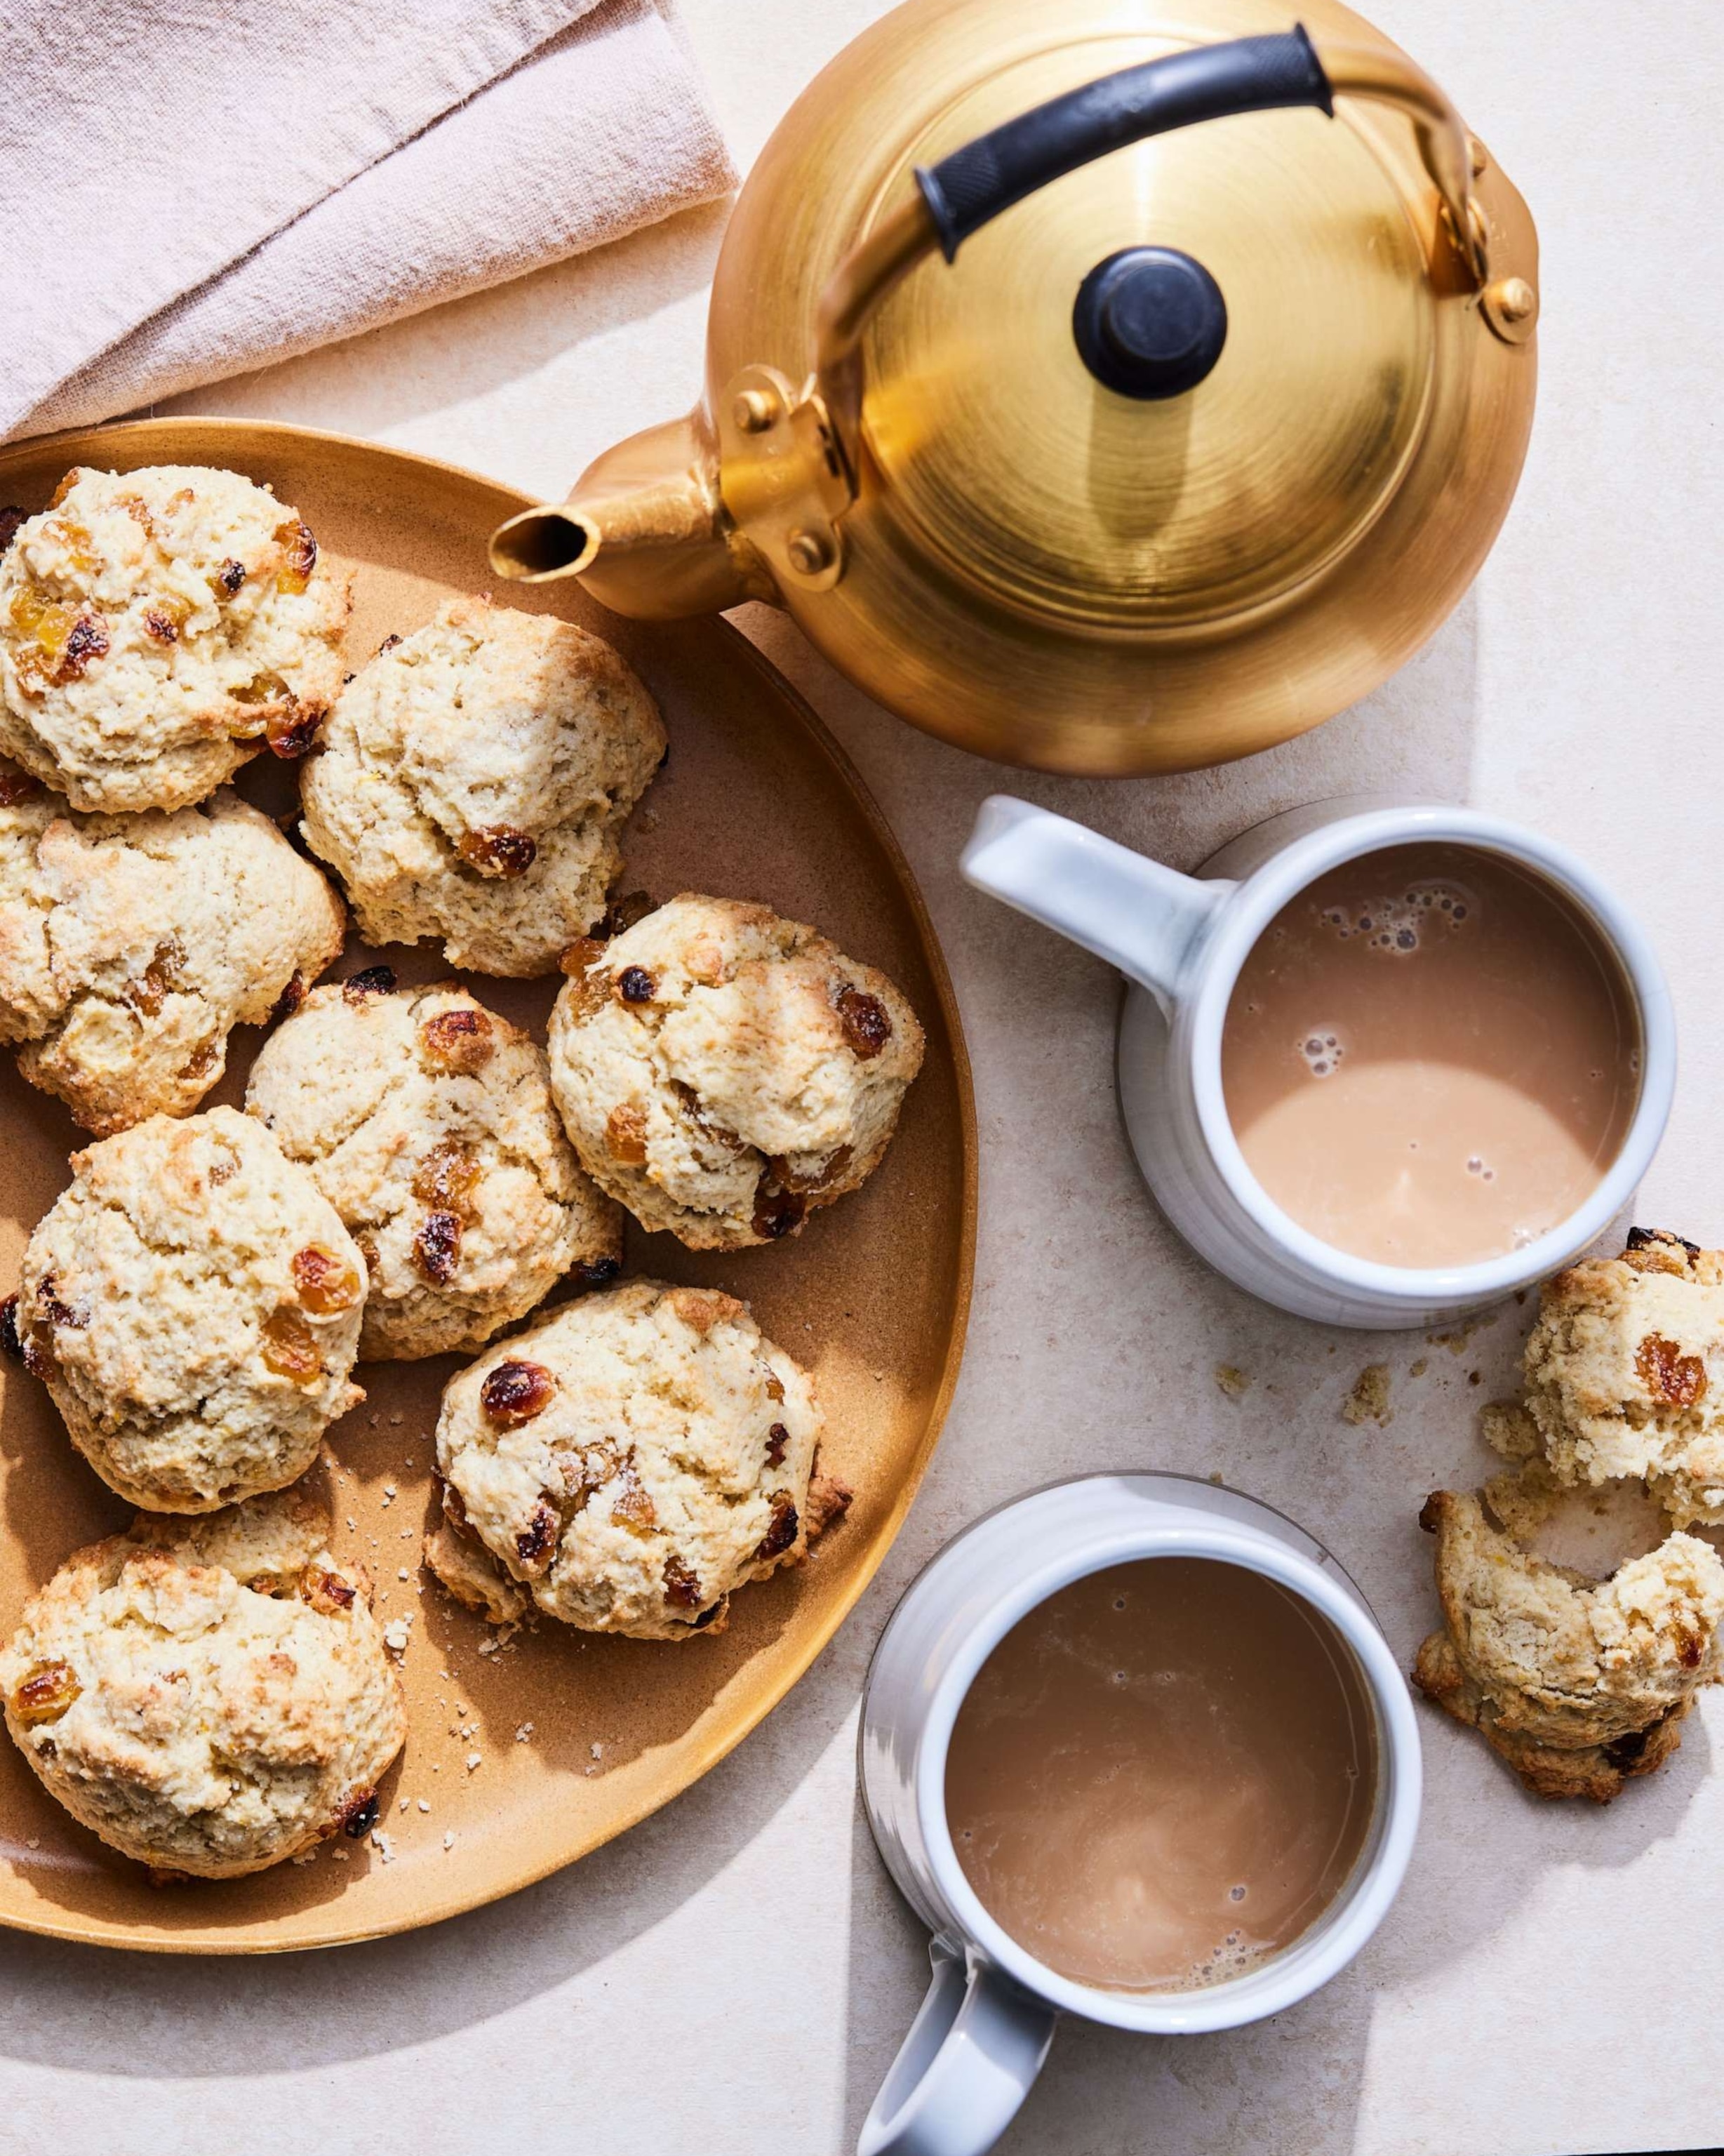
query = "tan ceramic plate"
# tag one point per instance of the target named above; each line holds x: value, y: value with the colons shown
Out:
x: 758, y: 802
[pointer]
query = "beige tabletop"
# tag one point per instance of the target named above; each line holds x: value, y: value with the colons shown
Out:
x: 733, y: 1977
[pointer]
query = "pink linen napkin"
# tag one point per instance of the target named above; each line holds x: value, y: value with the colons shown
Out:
x: 232, y: 182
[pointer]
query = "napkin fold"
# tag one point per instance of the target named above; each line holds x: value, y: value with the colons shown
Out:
x: 197, y: 188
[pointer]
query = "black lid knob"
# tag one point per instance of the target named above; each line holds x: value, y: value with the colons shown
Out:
x: 1149, y: 322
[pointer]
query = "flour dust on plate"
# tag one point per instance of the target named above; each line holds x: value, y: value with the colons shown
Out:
x: 1163, y: 1775
x: 1430, y: 1058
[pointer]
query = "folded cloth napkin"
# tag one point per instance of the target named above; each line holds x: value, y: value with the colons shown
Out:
x: 195, y: 187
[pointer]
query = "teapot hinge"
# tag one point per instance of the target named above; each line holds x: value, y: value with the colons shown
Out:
x: 784, y: 475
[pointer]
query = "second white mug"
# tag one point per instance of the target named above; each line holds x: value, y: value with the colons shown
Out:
x: 1181, y: 941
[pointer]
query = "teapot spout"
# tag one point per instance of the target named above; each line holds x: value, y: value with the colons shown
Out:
x: 645, y: 530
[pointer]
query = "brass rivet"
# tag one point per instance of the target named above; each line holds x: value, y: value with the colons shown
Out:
x: 1516, y: 298
x: 808, y: 552
x: 752, y: 411
x: 1478, y: 155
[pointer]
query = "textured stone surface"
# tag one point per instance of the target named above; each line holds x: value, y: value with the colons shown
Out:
x: 1521, y: 1996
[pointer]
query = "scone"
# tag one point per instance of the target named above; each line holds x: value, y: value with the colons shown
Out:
x: 1579, y: 1685
x: 723, y: 1071
x: 131, y: 946
x: 192, y: 1303
x: 208, y: 1697
x: 634, y: 1459
x: 156, y: 628
x: 1624, y: 1372
x: 426, y: 1121
x: 473, y: 780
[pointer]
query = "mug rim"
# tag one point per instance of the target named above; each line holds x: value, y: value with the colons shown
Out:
x: 1340, y: 1931
x: 1259, y: 896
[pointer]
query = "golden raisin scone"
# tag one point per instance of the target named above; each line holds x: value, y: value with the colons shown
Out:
x: 192, y: 1303
x: 473, y: 780
x: 723, y: 1071
x: 632, y: 1459
x: 208, y: 1697
x: 1624, y: 1372
x: 156, y: 627
x: 131, y: 946
x: 1577, y: 1684
x: 426, y: 1121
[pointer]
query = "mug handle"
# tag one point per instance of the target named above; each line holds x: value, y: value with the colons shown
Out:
x: 971, y: 2057
x: 1146, y: 919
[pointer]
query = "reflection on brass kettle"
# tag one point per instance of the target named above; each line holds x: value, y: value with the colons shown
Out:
x: 1202, y: 432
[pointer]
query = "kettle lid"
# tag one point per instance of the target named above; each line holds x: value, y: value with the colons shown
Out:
x: 1173, y: 387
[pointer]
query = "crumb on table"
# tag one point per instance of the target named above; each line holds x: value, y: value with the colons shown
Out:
x: 1368, y: 1400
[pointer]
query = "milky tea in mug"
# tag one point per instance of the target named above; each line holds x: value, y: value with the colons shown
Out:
x: 1163, y: 1775
x: 1430, y: 1057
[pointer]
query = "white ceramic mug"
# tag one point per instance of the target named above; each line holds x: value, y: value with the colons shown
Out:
x: 1180, y: 940
x: 984, y: 2030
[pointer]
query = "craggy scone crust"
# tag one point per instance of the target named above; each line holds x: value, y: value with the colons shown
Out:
x: 131, y: 946
x: 723, y: 1071
x: 426, y: 1121
x: 473, y: 780
x: 208, y: 1697
x: 192, y: 1302
x: 156, y: 627
x: 1577, y: 1684
x: 634, y: 1459
x: 1624, y: 1372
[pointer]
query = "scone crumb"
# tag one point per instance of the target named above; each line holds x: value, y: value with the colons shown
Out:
x: 1419, y: 1367
x: 425, y: 1804
x: 384, y: 1845
x: 395, y: 1635
x: 524, y: 1733
x: 448, y: 1838
x: 474, y: 1761
x: 1368, y: 1400
x: 1234, y: 1382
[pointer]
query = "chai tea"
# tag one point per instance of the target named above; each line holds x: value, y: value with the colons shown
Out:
x: 1163, y: 1775
x: 1430, y: 1058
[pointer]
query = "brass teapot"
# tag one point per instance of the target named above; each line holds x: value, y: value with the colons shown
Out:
x: 1190, y: 441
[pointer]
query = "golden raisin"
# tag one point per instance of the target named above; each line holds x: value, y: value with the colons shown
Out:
x: 498, y: 849
x: 625, y: 1135
x: 777, y: 1213
x: 535, y: 1545
x: 514, y: 1392
x: 621, y: 914
x: 325, y: 1282
x: 299, y: 551
x: 460, y: 1039
x: 55, y: 1309
x: 291, y: 996
x: 682, y: 1583
x: 632, y: 1507
x: 161, y: 625
x: 1668, y: 1374
x: 228, y: 579
x: 293, y: 733
x: 327, y: 1592
x: 867, y: 1025
x: 291, y: 1348
x: 158, y: 980
x: 437, y: 1248
x: 261, y: 689
x: 777, y: 1438
x: 589, y: 987
x: 447, y: 1178
x: 781, y: 1532
x: 44, y: 1693
x: 374, y: 981
x: 197, y: 1066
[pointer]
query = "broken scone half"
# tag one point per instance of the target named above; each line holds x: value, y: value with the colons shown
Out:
x: 1578, y: 1684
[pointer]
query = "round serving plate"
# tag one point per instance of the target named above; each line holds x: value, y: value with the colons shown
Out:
x: 757, y: 801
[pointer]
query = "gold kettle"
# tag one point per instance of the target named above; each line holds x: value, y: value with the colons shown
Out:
x: 1196, y: 433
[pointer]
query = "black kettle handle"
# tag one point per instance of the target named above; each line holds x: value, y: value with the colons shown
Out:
x: 974, y: 184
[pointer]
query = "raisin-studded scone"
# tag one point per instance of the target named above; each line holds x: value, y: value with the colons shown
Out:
x: 1624, y: 1372
x: 192, y: 1303
x: 209, y: 1696
x: 473, y: 780
x: 131, y: 946
x: 156, y: 628
x: 1578, y: 1684
x: 633, y: 1458
x: 723, y: 1071
x: 426, y: 1121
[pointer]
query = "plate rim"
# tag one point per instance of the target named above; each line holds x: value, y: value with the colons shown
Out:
x: 745, y: 650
